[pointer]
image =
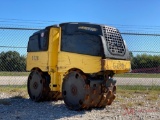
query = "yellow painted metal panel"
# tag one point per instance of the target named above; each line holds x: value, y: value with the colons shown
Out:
x: 87, y: 63
x: 37, y: 59
x: 119, y: 66
x: 53, y: 48
x: 54, y: 36
x: 46, y: 60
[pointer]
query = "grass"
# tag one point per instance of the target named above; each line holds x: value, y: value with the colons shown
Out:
x: 14, y: 73
x: 15, y: 91
x: 137, y: 95
x: 138, y: 75
x: 149, y: 93
x: 128, y: 75
x: 13, y: 88
x: 124, y: 89
x: 139, y: 87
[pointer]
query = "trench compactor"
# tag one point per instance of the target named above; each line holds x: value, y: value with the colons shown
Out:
x: 76, y: 62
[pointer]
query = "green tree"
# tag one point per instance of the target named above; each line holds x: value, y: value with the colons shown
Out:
x: 12, y: 61
x: 145, y: 61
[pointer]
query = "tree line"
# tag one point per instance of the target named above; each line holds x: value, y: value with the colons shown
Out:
x: 13, y: 61
x: 145, y: 61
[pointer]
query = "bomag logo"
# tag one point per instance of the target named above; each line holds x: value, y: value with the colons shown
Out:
x: 87, y: 28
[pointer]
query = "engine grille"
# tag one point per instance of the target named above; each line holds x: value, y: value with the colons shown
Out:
x: 115, y: 43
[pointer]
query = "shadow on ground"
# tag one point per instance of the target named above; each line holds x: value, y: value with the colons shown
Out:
x: 18, y: 107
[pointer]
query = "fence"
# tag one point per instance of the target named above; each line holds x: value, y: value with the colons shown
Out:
x: 144, y: 49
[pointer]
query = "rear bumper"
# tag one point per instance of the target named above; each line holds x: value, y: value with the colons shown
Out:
x: 118, y: 66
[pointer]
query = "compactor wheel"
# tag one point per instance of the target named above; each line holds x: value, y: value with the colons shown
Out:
x: 37, y: 86
x: 79, y: 94
x: 73, y: 90
x: 108, y: 97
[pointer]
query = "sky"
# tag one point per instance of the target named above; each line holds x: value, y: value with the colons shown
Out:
x: 121, y: 12
x: 126, y: 15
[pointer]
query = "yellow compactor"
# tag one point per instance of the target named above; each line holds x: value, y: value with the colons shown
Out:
x: 76, y: 62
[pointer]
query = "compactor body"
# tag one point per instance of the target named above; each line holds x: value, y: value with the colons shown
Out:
x: 76, y: 62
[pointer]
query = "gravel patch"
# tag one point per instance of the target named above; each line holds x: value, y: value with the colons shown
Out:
x: 123, y: 108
